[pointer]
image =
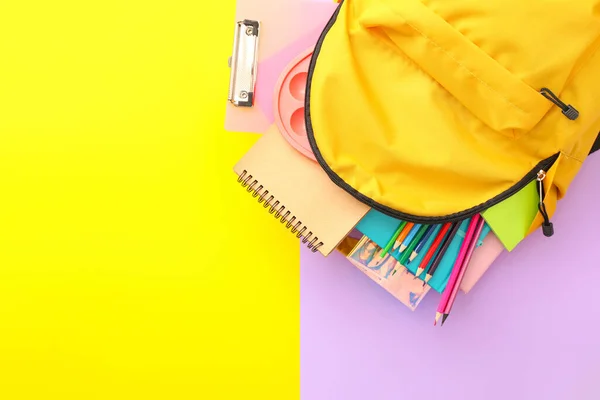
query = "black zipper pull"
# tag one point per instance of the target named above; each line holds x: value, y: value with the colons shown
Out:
x: 547, y: 226
x: 568, y: 110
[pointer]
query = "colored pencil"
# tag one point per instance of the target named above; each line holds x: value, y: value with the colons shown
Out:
x: 422, y: 243
x: 457, y: 267
x: 413, y: 232
x: 463, y: 270
x: 413, y: 244
x: 390, y: 244
x: 438, y: 259
x: 434, y: 247
x: 403, y: 235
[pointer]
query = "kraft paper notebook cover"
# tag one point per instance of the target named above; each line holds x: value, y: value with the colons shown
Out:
x: 297, y: 190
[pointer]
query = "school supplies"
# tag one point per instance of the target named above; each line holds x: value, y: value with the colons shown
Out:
x: 413, y: 243
x: 422, y: 243
x: 408, y: 228
x: 413, y: 265
x: 332, y: 107
x: 425, y: 257
x: 439, y: 238
x: 390, y: 244
x: 413, y: 232
x: 401, y: 285
x: 457, y: 267
x: 288, y: 28
x: 445, y: 245
x: 347, y: 245
x: 512, y: 219
x: 486, y: 248
x: 289, y: 104
x: 379, y: 227
x: 463, y: 268
x: 296, y: 191
x: 243, y: 63
x: 491, y: 248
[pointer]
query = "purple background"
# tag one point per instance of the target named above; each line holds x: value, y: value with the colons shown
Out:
x: 529, y: 330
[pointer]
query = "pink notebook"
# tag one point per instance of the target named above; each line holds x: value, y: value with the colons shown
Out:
x: 288, y: 28
x: 482, y: 259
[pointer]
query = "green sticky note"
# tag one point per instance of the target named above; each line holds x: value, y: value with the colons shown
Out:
x: 511, y: 219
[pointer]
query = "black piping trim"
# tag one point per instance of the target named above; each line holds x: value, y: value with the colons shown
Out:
x: 456, y: 217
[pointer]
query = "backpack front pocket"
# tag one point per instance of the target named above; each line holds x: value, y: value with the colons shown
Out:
x: 488, y: 90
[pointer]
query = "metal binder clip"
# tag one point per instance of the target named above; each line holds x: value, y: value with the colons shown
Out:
x: 243, y: 63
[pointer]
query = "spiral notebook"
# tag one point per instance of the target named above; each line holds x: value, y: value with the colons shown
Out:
x: 298, y: 192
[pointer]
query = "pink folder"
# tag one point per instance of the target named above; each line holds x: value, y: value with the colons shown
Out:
x: 482, y: 259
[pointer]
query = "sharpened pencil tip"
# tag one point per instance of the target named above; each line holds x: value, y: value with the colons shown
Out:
x: 420, y: 271
x: 444, y: 318
x: 413, y: 256
x: 402, y: 248
x: 438, y: 316
x: 428, y: 278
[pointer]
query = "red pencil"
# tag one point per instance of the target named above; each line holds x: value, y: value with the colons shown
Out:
x: 434, y: 246
x: 437, y: 260
x: 463, y: 269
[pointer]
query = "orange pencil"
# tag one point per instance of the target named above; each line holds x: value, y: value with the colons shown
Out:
x: 403, y: 235
x: 434, y: 246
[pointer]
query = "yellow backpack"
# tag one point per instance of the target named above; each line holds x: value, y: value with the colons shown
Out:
x: 432, y: 111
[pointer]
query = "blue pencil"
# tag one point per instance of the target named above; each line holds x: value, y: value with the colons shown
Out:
x: 423, y: 242
x: 410, y: 237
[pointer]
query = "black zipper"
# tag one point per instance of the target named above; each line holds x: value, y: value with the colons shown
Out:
x: 547, y: 226
x: 456, y: 217
x: 543, y: 165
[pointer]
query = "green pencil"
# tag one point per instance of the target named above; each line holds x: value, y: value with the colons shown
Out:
x: 390, y: 244
x: 413, y: 245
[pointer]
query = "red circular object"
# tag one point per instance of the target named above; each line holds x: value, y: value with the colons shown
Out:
x: 289, y: 104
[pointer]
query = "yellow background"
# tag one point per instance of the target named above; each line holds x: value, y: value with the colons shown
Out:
x: 127, y: 268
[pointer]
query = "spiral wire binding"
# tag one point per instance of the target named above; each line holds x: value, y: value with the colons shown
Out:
x: 280, y: 211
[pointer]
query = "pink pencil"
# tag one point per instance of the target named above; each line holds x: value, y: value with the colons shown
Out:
x: 457, y: 267
x: 463, y: 269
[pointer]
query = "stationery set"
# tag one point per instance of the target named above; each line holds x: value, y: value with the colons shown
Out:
x: 333, y: 166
